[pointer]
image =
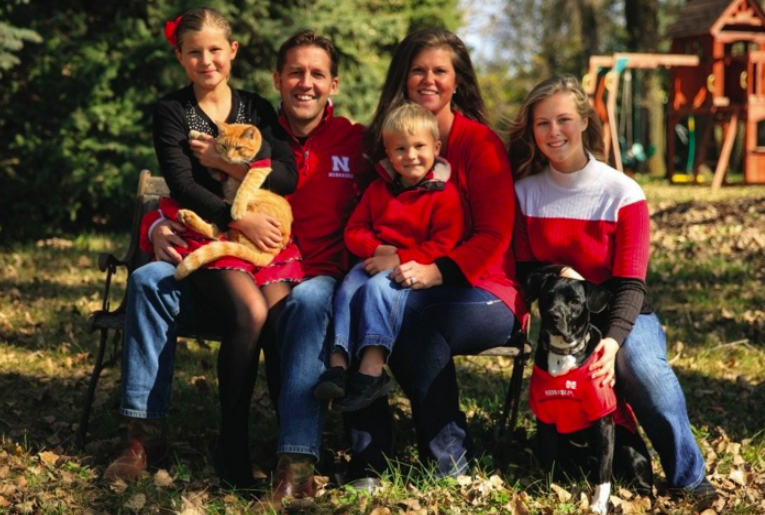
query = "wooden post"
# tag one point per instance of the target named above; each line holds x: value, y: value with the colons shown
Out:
x: 722, y: 164
x: 613, y: 90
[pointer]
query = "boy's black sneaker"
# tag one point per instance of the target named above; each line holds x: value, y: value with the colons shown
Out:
x: 331, y: 384
x: 363, y: 390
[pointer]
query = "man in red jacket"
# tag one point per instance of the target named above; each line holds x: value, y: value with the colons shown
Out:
x: 328, y: 151
x: 328, y: 154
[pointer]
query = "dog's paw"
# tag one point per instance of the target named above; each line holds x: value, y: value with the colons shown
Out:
x: 600, y: 499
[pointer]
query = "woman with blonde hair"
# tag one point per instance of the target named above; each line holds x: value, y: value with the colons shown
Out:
x: 576, y: 211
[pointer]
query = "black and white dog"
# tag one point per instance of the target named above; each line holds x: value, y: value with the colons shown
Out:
x: 580, y: 425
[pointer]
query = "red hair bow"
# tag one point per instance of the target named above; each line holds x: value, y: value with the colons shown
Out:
x: 170, y: 28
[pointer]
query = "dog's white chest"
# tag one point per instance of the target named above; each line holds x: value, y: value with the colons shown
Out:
x: 558, y: 365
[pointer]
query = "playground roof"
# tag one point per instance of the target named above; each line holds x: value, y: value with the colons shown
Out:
x: 701, y: 17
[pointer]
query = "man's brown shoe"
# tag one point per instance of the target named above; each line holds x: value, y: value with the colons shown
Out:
x: 144, y: 449
x: 293, y: 485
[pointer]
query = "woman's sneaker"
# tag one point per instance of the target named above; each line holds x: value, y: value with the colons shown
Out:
x: 331, y: 384
x: 363, y: 390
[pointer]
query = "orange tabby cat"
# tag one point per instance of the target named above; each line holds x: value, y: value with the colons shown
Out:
x: 237, y: 143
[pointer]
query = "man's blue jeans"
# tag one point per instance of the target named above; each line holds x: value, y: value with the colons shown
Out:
x: 368, y: 311
x: 305, y: 333
x: 645, y: 379
x: 156, y: 303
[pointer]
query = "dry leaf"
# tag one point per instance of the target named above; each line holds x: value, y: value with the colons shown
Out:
x: 380, y: 510
x: 4, y: 503
x: 464, y: 480
x: 412, y: 504
x: 26, y: 507
x: 136, y: 502
x: 708, y: 512
x: 562, y: 494
x: 738, y: 476
x: 118, y: 486
x: 49, y: 458
x: 162, y: 479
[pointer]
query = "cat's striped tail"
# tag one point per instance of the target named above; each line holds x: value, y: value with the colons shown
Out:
x: 217, y: 250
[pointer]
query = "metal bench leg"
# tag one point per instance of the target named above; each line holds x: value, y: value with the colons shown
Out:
x: 82, y: 431
x: 514, y: 391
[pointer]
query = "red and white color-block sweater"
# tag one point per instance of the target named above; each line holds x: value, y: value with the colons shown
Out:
x: 596, y: 221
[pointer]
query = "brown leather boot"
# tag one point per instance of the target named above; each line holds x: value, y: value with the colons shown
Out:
x: 147, y: 446
x: 293, y: 486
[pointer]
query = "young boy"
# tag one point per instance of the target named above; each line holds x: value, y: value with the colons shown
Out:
x: 412, y: 213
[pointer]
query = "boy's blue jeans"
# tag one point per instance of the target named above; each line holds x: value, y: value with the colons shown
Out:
x: 368, y: 311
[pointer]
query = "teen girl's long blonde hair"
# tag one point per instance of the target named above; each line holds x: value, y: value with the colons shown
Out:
x: 525, y: 158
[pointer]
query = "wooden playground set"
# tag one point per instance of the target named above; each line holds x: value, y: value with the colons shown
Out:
x: 717, y: 89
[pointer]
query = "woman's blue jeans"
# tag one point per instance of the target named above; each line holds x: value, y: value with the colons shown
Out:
x: 438, y: 324
x: 368, y: 311
x: 647, y: 382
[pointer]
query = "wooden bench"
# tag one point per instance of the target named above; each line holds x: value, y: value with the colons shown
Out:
x: 107, y: 320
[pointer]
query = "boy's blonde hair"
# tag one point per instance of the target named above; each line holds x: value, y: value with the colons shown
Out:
x: 408, y: 118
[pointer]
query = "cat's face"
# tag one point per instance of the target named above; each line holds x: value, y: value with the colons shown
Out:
x: 237, y: 142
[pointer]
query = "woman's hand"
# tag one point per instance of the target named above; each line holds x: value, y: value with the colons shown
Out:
x: 604, y: 366
x: 570, y: 273
x: 262, y: 230
x: 165, y: 238
x: 377, y: 264
x: 417, y: 276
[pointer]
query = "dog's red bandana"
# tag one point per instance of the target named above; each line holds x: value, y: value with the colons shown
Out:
x: 573, y: 401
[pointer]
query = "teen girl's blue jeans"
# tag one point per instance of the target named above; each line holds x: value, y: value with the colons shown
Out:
x: 645, y: 379
x: 368, y: 311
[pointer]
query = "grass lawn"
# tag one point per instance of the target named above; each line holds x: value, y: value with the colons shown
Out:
x: 707, y: 282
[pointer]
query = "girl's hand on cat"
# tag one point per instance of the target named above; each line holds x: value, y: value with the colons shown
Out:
x: 204, y: 151
x: 165, y: 238
x: 377, y: 264
x: 260, y: 229
x: 417, y: 276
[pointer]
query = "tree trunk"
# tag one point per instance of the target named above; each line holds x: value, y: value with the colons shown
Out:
x: 642, y: 22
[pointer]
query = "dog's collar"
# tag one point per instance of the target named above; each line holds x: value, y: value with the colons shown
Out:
x: 571, y: 350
